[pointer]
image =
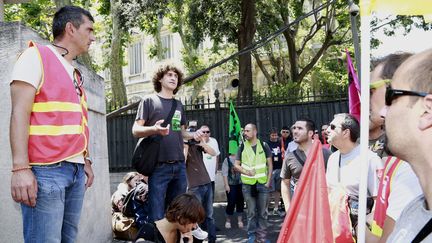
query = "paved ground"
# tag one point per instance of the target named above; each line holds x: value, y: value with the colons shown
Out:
x: 232, y: 235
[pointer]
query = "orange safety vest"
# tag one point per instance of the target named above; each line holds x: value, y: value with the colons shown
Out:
x: 384, y: 190
x: 58, y: 120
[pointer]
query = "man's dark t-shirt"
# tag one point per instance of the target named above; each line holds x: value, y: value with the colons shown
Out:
x: 196, y: 171
x: 276, y: 151
x: 154, y: 108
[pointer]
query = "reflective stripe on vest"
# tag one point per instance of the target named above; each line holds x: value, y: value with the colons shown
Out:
x: 58, y: 121
x: 384, y: 190
x: 254, y: 160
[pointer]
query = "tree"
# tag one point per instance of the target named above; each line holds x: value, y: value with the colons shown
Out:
x: 389, y: 24
x: 297, y: 52
x: 38, y: 15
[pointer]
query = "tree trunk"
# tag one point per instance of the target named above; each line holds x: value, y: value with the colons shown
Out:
x: 117, y: 85
x: 247, y: 30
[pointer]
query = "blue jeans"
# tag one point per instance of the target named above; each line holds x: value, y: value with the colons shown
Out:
x: 257, y: 211
x: 167, y: 181
x: 205, y: 194
x: 60, y: 195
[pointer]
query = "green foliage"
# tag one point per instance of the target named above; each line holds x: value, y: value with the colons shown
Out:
x: 35, y: 14
x: 390, y: 24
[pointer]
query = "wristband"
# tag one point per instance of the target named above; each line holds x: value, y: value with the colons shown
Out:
x: 21, y: 168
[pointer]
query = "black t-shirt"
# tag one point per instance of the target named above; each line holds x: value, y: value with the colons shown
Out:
x: 154, y: 108
x: 276, y: 151
x: 150, y: 233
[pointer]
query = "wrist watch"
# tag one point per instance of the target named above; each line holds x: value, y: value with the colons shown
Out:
x: 89, y: 159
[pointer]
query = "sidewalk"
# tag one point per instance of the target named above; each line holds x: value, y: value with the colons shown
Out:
x: 232, y: 235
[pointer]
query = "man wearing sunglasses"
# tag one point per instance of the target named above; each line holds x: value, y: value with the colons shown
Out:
x: 344, y: 165
x: 49, y: 132
x: 210, y: 160
x: 408, y: 120
x: 398, y: 184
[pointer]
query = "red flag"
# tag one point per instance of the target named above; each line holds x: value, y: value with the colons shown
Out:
x: 308, y: 219
x: 353, y: 89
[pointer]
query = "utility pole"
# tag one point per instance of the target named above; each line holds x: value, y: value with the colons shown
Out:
x: 354, y: 11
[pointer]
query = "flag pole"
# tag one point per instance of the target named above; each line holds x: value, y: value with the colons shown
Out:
x: 364, y: 128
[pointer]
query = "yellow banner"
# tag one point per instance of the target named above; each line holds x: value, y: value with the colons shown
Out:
x: 397, y: 7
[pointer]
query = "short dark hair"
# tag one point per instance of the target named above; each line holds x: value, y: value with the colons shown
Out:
x: 161, y: 72
x: 185, y: 209
x: 390, y: 63
x: 310, y: 125
x: 350, y: 123
x: 273, y: 130
x: 285, y: 128
x: 67, y: 14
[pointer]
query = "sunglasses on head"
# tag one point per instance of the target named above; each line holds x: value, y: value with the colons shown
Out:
x: 392, y: 94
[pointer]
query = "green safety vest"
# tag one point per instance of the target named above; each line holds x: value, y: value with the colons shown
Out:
x: 251, y: 160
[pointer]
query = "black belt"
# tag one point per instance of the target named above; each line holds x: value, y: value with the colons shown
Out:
x: 169, y: 161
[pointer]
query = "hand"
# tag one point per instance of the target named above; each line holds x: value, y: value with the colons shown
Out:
x: 188, y: 236
x: 227, y: 188
x: 24, y: 187
x: 89, y: 173
x: 162, y: 130
x: 251, y: 172
x: 198, y: 135
x: 268, y: 184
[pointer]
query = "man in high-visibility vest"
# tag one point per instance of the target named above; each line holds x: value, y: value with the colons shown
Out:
x: 254, y: 162
x: 49, y: 132
x: 408, y: 124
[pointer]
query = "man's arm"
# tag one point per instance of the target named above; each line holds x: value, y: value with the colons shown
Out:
x: 388, y: 227
x: 139, y: 130
x: 286, y: 193
x: 23, y: 182
x: 207, y: 148
x: 197, y: 135
x: 269, y: 171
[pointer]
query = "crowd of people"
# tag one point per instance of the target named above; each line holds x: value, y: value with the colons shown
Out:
x: 52, y: 166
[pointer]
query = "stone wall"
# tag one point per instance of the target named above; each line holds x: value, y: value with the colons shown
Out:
x: 95, y: 218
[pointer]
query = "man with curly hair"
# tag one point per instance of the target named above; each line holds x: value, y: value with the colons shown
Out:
x: 169, y: 177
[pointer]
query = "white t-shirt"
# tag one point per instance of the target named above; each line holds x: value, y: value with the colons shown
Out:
x: 350, y: 172
x: 405, y: 188
x: 210, y: 161
x: 28, y: 68
x: 411, y: 221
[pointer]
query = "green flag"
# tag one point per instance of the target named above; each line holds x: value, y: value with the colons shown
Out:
x: 234, y: 131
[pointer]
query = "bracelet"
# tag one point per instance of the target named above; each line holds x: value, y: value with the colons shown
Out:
x: 21, y: 168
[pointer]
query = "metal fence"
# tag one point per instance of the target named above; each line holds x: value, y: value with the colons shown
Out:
x: 265, y: 113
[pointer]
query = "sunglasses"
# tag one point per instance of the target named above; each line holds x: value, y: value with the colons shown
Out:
x: 205, y: 131
x: 333, y: 127
x: 77, y: 75
x: 392, y: 94
x: 284, y: 132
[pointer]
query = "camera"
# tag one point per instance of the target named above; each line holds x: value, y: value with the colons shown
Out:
x: 192, y: 128
x: 354, y: 9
